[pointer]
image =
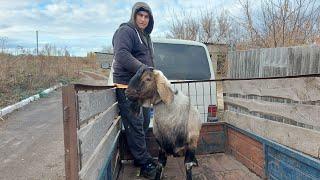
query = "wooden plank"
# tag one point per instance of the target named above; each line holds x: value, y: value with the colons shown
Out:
x: 70, y: 132
x: 91, y: 134
x: 285, y: 62
x: 95, y: 102
x: 240, y: 62
x: 234, y: 64
x: 297, y: 60
x: 211, y: 142
x: 305, y: 61
x: 246, y: 150
x: 290, y: 61
x: 93, y: 167
x: 314, y: 60
x: 300, y: 139
x: 212, y: 127
x: 213, y: 166
x: 257, y: 63
x: 229, y: 63
x: 307, y: 114
x: 297, y: 89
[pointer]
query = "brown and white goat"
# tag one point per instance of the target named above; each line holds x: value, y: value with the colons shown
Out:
x: 176, y: 124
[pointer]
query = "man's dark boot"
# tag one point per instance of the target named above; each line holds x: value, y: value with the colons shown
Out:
x: 149, y: 170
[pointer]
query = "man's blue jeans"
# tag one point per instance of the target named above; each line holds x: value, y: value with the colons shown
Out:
x: 136, y: 123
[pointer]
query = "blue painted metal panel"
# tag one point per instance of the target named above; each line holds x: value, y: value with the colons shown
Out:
x: 282, y: 166
x: 106, y: 172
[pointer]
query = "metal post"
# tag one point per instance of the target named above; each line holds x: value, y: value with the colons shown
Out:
x: 37, y: 42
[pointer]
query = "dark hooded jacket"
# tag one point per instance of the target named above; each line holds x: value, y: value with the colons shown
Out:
x: 132, y: 48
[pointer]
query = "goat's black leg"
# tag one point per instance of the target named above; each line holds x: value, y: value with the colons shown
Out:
x: 162, y: 158
x: 190, y: 161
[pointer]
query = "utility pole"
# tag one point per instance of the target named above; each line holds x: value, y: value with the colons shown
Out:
x: 37, y: 42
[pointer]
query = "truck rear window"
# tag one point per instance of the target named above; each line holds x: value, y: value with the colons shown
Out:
x: 181, y: 62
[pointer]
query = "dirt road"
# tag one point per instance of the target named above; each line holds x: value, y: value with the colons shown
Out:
x: 31, y: 141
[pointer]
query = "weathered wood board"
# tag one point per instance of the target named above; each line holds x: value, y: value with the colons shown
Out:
x: 92, y: 169
x: 94, y: 102
x: 296, y: 89
x: 306, y: 114
x: 91, y: 134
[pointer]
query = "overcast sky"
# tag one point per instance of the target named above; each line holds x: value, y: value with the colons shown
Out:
x: 86, y: 25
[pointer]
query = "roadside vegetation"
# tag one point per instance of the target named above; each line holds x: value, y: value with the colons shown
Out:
x: 25, y: 74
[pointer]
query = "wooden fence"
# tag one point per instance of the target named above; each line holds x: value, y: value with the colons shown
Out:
x: 282, y: 61
x: 286, y: 110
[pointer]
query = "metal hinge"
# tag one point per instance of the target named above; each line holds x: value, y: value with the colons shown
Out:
x: 66, y: 113
x: 80, y: 154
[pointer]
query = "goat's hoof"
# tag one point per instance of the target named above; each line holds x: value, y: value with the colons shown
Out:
x: 189, y: 165
x: 189, y: 174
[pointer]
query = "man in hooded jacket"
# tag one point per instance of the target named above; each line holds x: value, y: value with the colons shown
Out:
x: 133, y: 50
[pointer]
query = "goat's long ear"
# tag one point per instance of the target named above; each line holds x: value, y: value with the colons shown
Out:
x: 163, y: 87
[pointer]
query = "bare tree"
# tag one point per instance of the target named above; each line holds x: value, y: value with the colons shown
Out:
x: 207, y: 27
x: 282, y: 22
x: 191, y: 29
x: 207, y: 22
x: 225, y: 28
x: 177, y: 29
x: 184, y: 26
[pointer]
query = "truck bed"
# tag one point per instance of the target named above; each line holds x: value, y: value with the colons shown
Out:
x: 212, y: 166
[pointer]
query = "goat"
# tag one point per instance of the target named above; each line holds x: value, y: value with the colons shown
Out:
x: 176, y: 124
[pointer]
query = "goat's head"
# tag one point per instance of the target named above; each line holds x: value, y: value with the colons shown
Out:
x: 148, y: 87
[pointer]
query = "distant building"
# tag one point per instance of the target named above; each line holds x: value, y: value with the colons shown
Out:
x: 104, y: 59
x: 218, y: 53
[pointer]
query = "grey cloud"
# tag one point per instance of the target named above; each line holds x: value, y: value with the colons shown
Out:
x: 4, y: 26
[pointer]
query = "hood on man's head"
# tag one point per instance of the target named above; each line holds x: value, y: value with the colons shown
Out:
x: 142, y: 6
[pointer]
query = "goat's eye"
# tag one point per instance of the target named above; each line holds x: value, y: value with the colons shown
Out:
x: 148, y: 79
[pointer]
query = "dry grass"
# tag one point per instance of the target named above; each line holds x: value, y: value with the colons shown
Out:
x: 25, y: 75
